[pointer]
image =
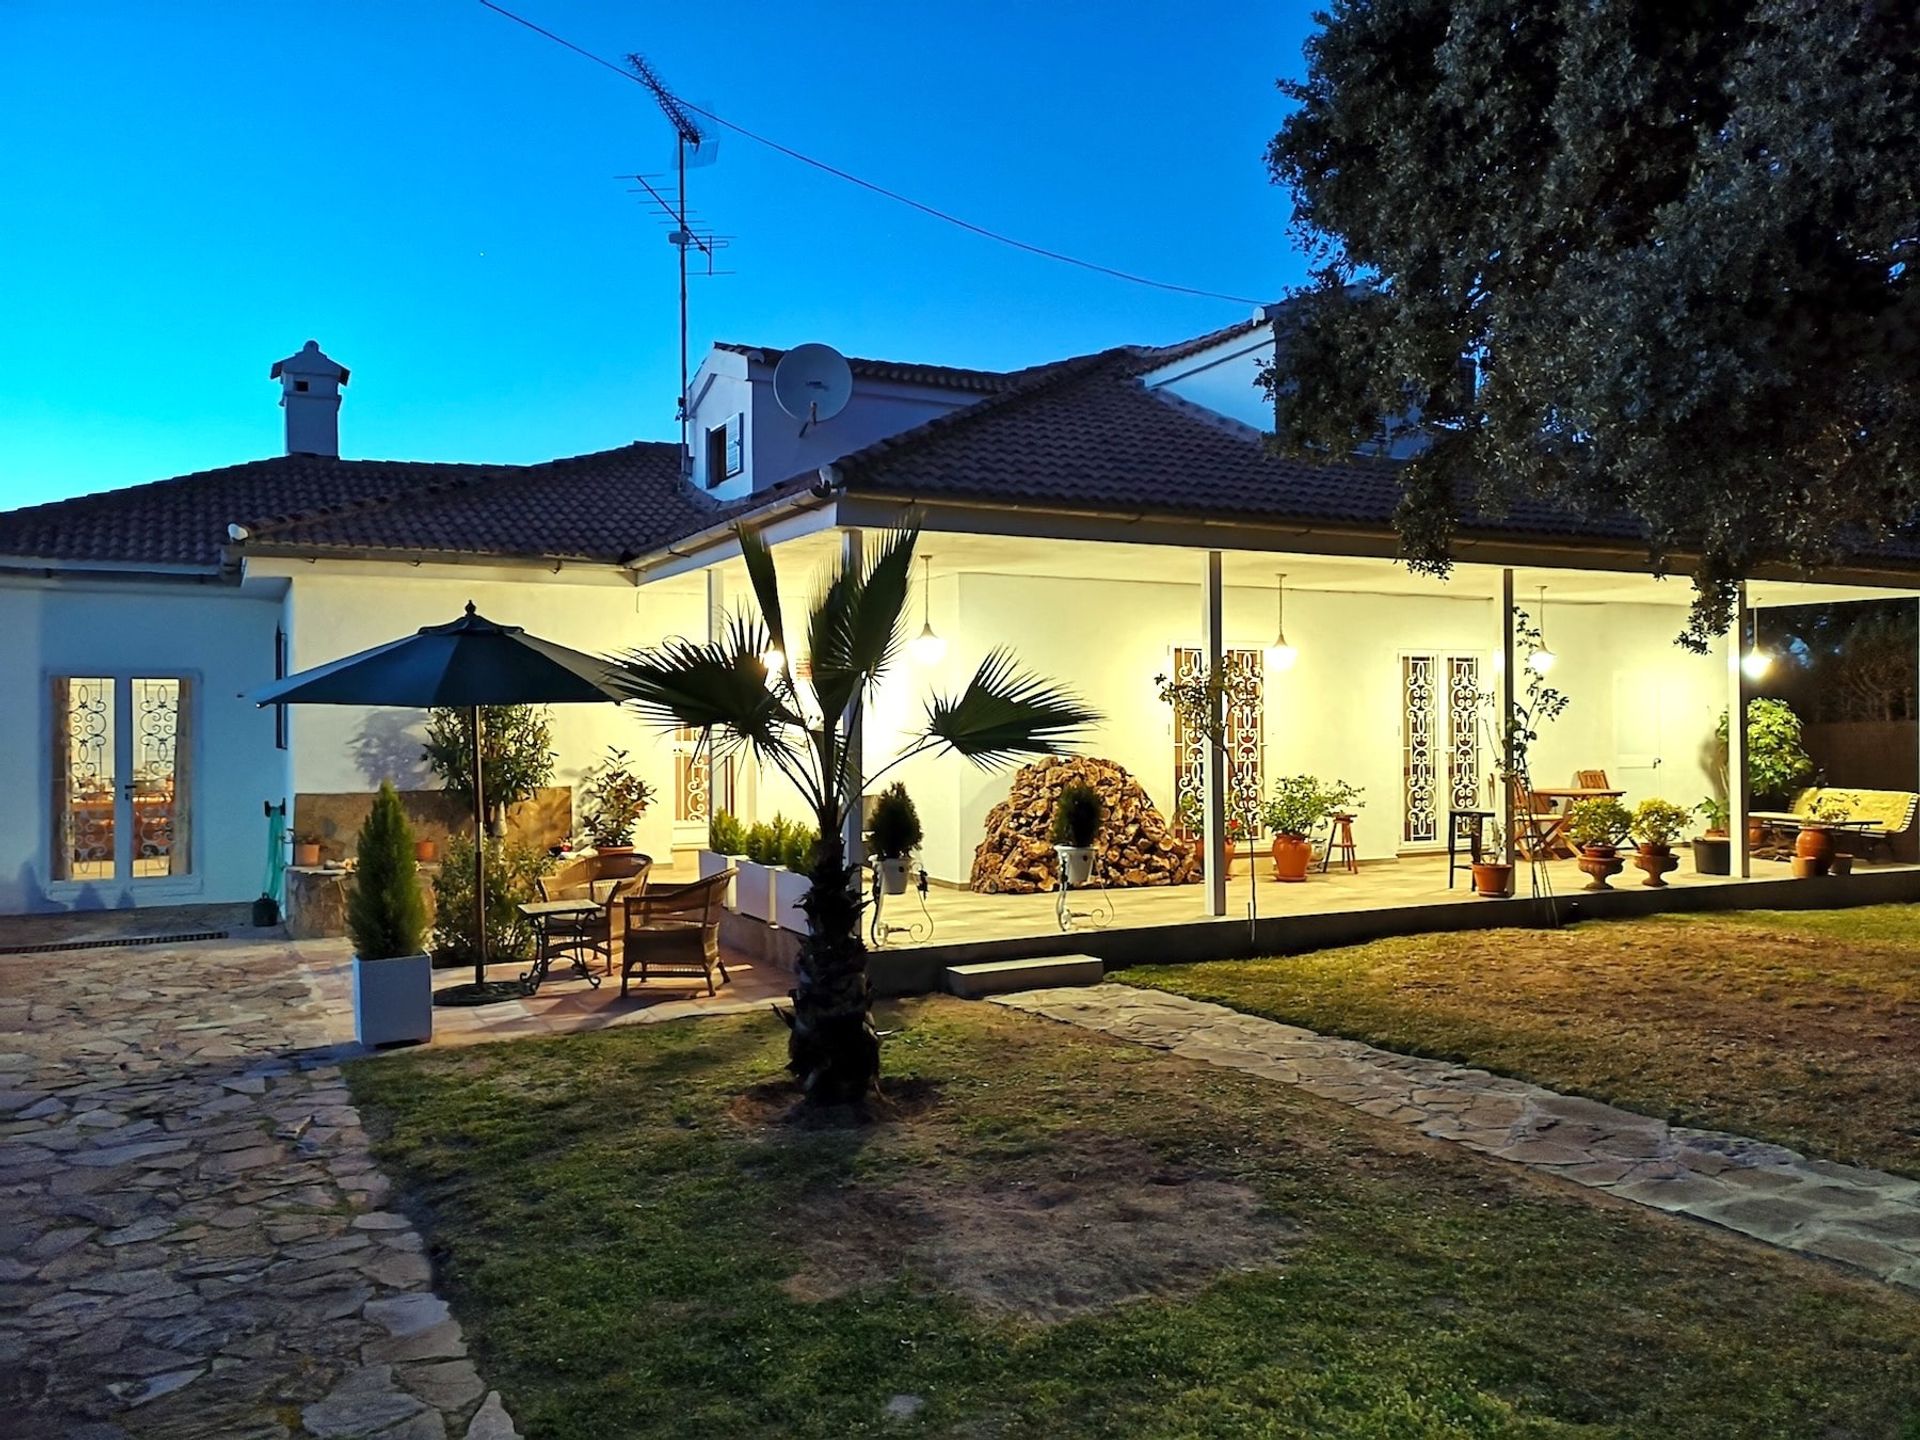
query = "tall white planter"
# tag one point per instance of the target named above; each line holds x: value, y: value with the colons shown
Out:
x: 713, y: 862
x: 789, y: 889
x: 753, y: 890
x: 393, y: 1000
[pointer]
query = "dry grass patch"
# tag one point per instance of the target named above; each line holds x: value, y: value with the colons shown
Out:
x: 1802, y: 1028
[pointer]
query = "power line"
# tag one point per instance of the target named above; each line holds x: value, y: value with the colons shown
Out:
x: 881, y: 190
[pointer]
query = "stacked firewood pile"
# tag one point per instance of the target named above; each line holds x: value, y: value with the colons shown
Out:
x: 1136, y: 846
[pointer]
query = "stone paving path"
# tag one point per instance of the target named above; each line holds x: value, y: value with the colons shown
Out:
x: 1861, y: 1218
x: 191, y: 1234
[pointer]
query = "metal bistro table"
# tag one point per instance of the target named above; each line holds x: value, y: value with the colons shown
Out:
x: 545, y: 916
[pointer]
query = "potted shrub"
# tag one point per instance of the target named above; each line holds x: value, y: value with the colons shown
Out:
x: 426, y: 851
x: 1078, y: 812
x: 1813, y: 847
x: 1598, y: 826
x: 1656, y: 825
x: 387, y: 920
x: 612, y: 800
x: 1300, y: 805
x: 793, y: 877
x: 514, y: 868
x: 726, y: 848
x: 1712, y: 849
x: 1493, y: 870
x: 306, y: 851
x: 893, y: 834
x: 753, y: 887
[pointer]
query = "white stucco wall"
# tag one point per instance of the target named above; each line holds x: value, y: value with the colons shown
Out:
x: 219, y: 637
x: 334, y: 611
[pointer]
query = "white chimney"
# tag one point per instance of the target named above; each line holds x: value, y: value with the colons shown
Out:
x: 310, y: 394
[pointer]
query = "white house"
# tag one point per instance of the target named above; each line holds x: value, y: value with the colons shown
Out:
x: 1110, y: 517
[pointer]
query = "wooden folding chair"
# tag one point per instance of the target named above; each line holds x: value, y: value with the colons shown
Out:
x: 1537, y: 826
x: 1591, y: 780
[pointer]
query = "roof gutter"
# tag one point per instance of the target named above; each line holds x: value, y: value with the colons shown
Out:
x: 826, y: 488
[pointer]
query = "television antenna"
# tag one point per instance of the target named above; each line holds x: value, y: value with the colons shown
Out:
x: 692, y: 147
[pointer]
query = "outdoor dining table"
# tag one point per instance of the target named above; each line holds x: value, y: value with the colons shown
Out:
x: 1563, y: 799
x: 546, y: 917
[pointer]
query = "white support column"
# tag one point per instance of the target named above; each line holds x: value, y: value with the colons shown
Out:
x: 853, y: 834
x: 1503, y: 803
x: 716, y: 630
x: 1213, y: 791
x: 1738, y: 847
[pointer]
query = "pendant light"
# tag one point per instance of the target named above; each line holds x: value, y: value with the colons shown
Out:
x: 1541, y: 660
x: 928, y: 648
x: 1281, y: 655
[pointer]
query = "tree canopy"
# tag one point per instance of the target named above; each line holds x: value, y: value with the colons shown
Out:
x: 1677, y: 237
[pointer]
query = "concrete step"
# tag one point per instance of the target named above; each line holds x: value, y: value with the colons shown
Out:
x: 1002, y: 977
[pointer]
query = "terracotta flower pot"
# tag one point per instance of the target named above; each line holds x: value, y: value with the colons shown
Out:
x: 426, y: 851
x: 1805, y: 867
x: 1658, y: 861
x: 1600, y: 862
x: 306, y: 853
x: 1492, y: 879
x: 1291, y: 856
x: 1815, y: 843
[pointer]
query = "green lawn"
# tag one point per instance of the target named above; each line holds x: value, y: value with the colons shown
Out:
x: 1058, y: 1234
x: 1799, y: 1027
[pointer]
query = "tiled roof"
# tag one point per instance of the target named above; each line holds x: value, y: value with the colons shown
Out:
x: 602, y: 505
x: 945, y: 377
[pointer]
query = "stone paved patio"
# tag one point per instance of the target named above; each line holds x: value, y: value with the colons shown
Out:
x: 192, y: 1238
x: 1860, y: 1218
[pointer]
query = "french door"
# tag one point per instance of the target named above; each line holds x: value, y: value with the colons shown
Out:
x: 1441, y: 765
x: 1245, y: 745
x: 699, y: 787
x: 121, y: 785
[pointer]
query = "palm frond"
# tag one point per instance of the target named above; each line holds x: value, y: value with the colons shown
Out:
x: 855, y: 628
x: 1005, y: 713
x: 766, y: 585
x: 719, y: 685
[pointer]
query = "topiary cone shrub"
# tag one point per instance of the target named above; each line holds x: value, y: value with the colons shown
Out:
x: 386, y: 914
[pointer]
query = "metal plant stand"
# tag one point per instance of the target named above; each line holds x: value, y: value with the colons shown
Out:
x: 917, y: 931
x: 1097, y: 918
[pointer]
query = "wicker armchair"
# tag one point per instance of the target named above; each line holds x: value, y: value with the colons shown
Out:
x: 675, y: 928
x: 610, y: 879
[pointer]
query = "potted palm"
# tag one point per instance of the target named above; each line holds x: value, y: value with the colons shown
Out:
x: 1078, y: 812
x: 893, y: 834
x: 1300, y: 805
x: 744, y: 687
x: 1656, y: 825
x: 612, y: 800
x: 387, y: 920
x: 1598, y: 826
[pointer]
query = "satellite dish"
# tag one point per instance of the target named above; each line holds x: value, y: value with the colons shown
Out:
x: 812, y: 383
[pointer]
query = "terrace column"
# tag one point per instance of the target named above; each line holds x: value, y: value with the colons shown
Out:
x: 852, y: 833
x: 1503, y: 804
x: 1213, y: 792
x: 716, y: 630
x: 1737, y: 797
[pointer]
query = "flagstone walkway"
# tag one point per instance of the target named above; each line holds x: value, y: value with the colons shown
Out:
x: 1860, y: 1218
x: 192, y: 1238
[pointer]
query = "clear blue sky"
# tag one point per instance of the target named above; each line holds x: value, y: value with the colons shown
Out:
x: 191, y: 191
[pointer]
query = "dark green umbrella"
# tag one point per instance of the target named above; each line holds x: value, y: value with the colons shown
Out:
x: 465, y: 664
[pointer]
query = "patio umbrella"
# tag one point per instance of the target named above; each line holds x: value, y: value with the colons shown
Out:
x: 465, y: 664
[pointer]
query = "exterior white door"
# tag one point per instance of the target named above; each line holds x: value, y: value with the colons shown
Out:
x: 121, y: 778
x: 1441, y: 764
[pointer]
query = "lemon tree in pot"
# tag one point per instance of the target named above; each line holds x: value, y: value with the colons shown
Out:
x: 893, y: 834
x: 1656, y: 825
x: 1598, y: 826
x: 387, y: 919
x: 1078, y: 812
x: 1300, y: 805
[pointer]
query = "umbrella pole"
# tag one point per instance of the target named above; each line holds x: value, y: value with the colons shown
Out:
x: 479, y: 854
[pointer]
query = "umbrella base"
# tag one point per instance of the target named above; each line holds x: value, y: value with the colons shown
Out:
x: 487, y: 992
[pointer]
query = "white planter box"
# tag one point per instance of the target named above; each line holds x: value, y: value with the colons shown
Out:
x: 789, y: 888
x: 753, y: 891
x: 393, y: 1000
x: 712, y: 862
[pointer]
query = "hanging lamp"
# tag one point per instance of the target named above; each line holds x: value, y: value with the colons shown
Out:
x: 928, y: 648
x: 1541, y: 660
x: 1280, y: 654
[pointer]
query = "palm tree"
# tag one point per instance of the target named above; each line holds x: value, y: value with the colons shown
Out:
x: 741, y: 693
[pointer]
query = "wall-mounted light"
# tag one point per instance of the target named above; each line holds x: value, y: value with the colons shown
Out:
x: 1542, y: 659
x: 927, y: 647
x: 1756, y: 663
x: 1280, y: 654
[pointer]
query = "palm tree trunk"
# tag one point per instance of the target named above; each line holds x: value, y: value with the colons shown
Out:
x: 834, y: 1050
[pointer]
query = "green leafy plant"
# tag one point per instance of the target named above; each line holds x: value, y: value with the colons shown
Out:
x: 613, y: 799
x: 726, y: 835
x: 1301, y: 804
x: 1598, y: 822
x: 1776, y: 758
x: 1714, y: 811
x: 1659, y: 822
x: 1078, y: 812
x: 761, y: 843
x: 386, y: 914
x: 513, y: 869
x: 797, y: 844
x: 1828, y: 810
x: 516, y: 758
x: 893, y: 830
